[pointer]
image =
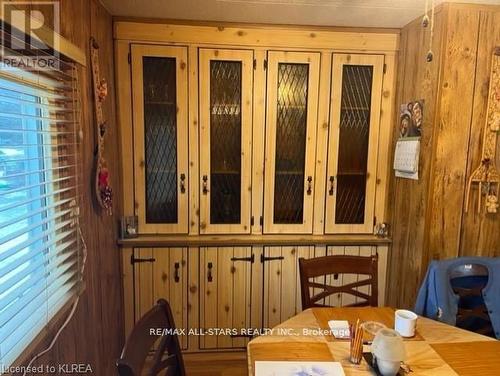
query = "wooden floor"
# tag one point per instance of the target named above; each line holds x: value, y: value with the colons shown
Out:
x: 213, y: 364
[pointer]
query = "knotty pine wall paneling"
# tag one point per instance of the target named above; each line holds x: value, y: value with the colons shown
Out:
x: 451, y: 131
x: 416, y: 80
x: 480, y: 234
x: 428, y: 216
x: 95, y: 334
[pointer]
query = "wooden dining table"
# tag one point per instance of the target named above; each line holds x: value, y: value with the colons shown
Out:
x: 436, y: 349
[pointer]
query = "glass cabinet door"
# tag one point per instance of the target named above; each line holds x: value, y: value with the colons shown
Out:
x: 159, y: 87
x: 226, y: 84
x: 352, y: 150
x: 292, y: 102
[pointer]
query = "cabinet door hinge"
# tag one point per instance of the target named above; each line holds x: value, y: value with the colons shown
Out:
x: 250, y: 259
x: 241, y: 335
x: 254, y: 64
x: 374, y: 221
x: 385, y: 68
x: 265, y: 64
x: 252, y: 222
x: 129, y: 58
x: 261, y: 221
x: 135, y: 260
x: 263, y: 258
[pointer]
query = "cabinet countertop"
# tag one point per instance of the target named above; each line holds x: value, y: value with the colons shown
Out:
x: 250, y: 240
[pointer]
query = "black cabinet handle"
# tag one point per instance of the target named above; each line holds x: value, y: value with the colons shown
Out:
x: 205, y: 184
x: 332, y: 185
x: 176, y: 272
x: 183, y: 183
x: 309, y: 185
x: 209, y: 275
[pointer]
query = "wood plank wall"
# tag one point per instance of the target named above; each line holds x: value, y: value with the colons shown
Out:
x: 428, y: 217
x: 95, y: 334
x: 480, y: 234
x: 416, y: 79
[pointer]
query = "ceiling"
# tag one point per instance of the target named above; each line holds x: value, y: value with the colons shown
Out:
x: 360, y: 13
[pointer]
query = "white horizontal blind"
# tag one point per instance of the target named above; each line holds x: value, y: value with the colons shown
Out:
x: 39, y: 239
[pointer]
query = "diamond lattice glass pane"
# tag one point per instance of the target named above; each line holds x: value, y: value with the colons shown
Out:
x: 290, y: 143
x: 353, y: 143
x: 225, y: 141
x: 160, y: 143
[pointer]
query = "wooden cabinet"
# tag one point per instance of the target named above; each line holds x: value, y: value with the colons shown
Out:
x: 284, y: 134
x: 221, y: 292
x: 159, y: 92
x: 161, y: 273
x: 226, y: 87
x: 353, y: 143
x: 292, y: 102
x: 231, y: 187
x: 225, y: 295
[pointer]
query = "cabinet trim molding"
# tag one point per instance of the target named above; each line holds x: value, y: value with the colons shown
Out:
x: 258, y: 36
x: 249, y: 240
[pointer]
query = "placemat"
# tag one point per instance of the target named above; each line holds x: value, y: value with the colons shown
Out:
x: 471, y: 358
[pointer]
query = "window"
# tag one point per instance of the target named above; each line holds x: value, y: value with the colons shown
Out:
x: 39, y: 238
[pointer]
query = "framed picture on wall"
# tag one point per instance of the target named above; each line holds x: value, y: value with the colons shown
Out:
x: 411, y: 116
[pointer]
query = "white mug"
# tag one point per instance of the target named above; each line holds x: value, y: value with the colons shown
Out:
x: 405, y: 322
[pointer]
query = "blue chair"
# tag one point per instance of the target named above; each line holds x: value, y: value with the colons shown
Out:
x: 468, y: 281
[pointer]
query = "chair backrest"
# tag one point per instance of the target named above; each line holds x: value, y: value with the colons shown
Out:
x: 468, y: 281
x: 311, y: 269
x: 157, y: 325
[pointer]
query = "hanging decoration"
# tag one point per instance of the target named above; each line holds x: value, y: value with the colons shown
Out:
x: 426, y: 21
x: 487, y: 176
x: 104, y: 192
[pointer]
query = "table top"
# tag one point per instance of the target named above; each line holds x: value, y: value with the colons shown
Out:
x: 437, y: 349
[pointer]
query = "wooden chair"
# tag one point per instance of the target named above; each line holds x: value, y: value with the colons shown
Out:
x: 323, y: 266
x: 140, y: 342
x: 468, y: 281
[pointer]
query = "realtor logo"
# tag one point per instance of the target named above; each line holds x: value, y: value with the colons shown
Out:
x: 30, y: 35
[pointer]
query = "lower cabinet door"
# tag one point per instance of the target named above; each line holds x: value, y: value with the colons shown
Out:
x: 225, y: 296
x: 282, y: 298
x: 161, y: 273
x: 241, y: 289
